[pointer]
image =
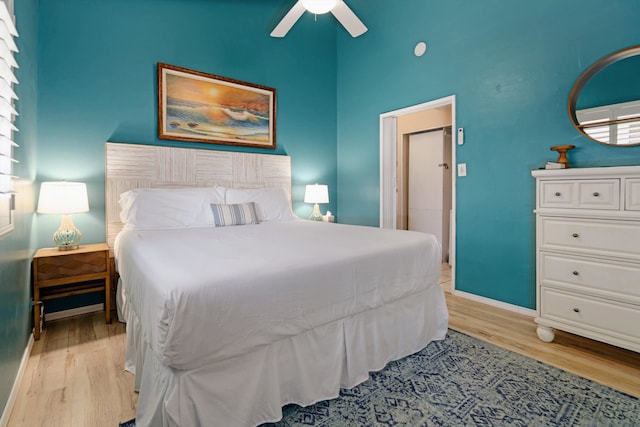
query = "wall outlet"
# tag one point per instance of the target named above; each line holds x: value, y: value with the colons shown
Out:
x: 462, y: 169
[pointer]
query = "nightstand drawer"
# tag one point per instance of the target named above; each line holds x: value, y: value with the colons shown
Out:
x: 71, y: 265
x: 59, y: 274
x: 602, y: 316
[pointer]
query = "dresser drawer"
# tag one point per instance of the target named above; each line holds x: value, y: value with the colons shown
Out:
x: 581, y: 194
x: 557, y: 194
x: 620, y: 281
x: 603, y: 316
x: 632, y: 199
x: 599, y: 194
x: 597, y: 237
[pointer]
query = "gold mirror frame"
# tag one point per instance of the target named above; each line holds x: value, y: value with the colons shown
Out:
x: 584, y: 79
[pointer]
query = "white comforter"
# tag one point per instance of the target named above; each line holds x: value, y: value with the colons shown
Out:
x: 207, y: 294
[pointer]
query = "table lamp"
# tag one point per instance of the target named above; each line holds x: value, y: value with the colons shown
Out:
x: 316, y: 194
x: 64, y: 198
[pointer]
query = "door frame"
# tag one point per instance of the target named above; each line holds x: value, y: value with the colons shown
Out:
x: 389, y: 168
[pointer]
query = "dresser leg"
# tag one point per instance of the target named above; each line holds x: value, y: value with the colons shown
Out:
x: 545, y: 333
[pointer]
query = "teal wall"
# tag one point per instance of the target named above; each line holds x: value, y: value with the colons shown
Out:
x: 511, y: 65
x: 16, y: 249
x: 97, y: 83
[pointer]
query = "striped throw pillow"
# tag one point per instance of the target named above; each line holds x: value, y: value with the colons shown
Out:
x: 238, y: 214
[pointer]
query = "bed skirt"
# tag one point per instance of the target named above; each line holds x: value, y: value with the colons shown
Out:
x: 252, y: 388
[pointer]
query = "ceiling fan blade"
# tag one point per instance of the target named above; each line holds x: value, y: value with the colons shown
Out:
x: 289, y: 19
x: 348, y: 19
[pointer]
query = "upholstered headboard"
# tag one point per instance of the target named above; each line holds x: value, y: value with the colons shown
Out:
x: 133, y: 166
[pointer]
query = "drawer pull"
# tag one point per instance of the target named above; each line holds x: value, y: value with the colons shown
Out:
x: 575, y: 235
x: 576, y: 310
x: 596, y: 194
x: 558, y: 193
x: 575, y: 273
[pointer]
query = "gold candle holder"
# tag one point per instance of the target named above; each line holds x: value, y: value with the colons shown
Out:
x: 562, y: 151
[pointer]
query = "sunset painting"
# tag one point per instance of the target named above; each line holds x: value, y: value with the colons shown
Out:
x: 195, y: 106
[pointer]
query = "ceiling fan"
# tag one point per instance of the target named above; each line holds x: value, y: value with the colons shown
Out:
x: 338, y: 8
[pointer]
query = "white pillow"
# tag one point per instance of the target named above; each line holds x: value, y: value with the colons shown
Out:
x: 158, y: 208
x: 272, y: 203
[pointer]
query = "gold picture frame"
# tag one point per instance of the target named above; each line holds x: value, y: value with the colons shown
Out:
x: 201, y: 107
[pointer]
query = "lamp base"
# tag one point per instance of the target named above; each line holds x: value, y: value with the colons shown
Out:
x: 315, y: 215
x: 67, y: 237
x: 68, y: 247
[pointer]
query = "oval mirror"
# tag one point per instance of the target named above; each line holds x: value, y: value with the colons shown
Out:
x: 604, y: 103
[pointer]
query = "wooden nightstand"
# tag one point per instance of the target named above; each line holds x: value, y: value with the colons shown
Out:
x: 58, y: 274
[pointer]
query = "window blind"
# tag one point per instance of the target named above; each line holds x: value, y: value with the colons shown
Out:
x: 626, y: 132
x: 8, y: 113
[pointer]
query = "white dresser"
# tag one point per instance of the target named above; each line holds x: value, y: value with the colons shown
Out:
x: 588, y: 253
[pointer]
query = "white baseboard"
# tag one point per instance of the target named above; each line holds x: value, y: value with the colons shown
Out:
x: 6, y: 413
x: 516, y: 308
x: 73, y: 312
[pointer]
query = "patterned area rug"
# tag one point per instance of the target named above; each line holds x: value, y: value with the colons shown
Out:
x: 465, y: 381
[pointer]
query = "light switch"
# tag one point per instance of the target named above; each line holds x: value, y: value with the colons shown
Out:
x: 462, y: 169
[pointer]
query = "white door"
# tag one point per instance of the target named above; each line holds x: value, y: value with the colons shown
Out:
x: 426, y: 183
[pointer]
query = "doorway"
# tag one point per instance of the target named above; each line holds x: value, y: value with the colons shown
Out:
x: 396, y: 130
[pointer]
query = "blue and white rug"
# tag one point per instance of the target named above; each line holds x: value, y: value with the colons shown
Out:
x: 465, y: 381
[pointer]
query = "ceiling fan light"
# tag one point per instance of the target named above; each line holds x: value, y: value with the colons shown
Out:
x: 319, y: 6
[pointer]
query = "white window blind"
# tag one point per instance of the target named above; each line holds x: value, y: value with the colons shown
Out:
x: 8, y: 113
x: 626, y: 132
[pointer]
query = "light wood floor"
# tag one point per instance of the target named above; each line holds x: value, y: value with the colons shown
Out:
x: 75, y: 375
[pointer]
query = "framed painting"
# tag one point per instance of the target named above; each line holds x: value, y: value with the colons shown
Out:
x: 200, y: 107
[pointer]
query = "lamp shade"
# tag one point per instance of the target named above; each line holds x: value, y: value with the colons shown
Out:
x: 63, y: 198
x: 319, y: 6
x: 316, y: 193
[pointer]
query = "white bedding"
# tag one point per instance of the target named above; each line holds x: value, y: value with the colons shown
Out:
x: 205, y: 295
x: 227, y: 325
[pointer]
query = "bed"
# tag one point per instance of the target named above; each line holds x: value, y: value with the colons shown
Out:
x: 231, y: 316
